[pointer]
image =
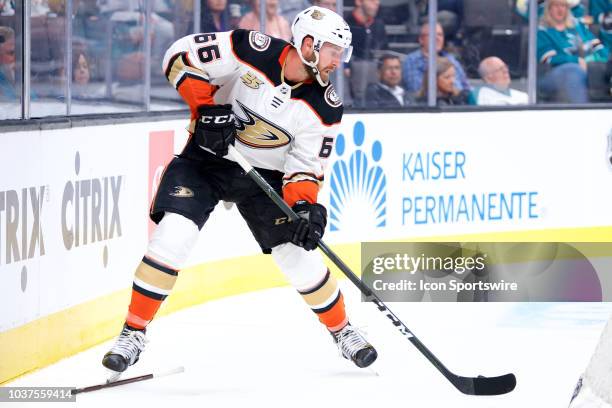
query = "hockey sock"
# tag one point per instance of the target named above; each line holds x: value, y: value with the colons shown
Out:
x: 326, y: 300
x: 153, y: 282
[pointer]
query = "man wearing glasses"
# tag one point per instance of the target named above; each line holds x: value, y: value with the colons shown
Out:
x: 496, y: 90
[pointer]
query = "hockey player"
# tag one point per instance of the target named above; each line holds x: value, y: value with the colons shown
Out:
x: 274, y: 102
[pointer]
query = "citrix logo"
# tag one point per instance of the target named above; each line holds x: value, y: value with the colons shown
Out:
x: 90, y: 209
x: 22, y: 213
x: 358, y: 185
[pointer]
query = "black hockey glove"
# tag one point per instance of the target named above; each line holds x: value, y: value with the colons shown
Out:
x: 215, y: 128
x: 308, y: 230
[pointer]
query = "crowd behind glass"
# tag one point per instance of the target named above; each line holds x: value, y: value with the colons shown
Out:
x: 107, y: 56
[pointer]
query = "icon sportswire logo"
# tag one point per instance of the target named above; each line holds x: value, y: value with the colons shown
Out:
x: 358, y: 196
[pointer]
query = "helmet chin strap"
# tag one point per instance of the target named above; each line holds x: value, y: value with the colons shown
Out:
x: 313, y: 66
x: 317, y: 75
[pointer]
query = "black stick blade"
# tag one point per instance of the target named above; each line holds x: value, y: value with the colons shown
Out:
x: 127, y: 381
x: 111, y: 384
x: 485, y: 385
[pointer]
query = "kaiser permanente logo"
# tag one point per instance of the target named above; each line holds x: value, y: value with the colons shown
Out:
x: 358, y: 184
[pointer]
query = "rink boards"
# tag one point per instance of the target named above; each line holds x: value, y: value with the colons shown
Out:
x: 74, y: 203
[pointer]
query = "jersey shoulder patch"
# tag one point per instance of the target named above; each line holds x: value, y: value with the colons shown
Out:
x: 259, y: 51
x: 331, y: 97
x: 324, y: 101
x: 258, y: 41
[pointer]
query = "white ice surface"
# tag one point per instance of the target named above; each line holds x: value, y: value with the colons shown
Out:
x: 265, y: 349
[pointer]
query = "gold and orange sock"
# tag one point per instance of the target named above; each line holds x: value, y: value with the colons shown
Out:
x: 326, y: 300
x: 153, y: 282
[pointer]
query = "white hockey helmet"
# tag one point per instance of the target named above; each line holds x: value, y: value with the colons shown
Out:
x: 323, y: 26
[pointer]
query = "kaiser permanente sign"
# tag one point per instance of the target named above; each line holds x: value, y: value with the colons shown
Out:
x: 422, y: 175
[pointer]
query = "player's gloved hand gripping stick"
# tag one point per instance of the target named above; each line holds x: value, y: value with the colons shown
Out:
x: 468, y: 385
x: 215, y: 128
x: 308, y: 230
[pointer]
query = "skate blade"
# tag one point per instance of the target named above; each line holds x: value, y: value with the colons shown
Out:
x: 112, y: 376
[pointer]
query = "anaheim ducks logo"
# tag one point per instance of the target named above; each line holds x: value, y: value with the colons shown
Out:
x: 180, y: 191
x: 255, y: 131
x: 317, y: 15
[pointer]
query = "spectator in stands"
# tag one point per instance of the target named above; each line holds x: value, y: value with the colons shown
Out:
x: 215, y: 16
x: 235, y: 14
x: 415, y: 64
x: 328, y: 4
x: 128, y: 37
x: 7, y: 64
x: 290, y: 8
x: 564, y: 48
x: 496, y: 90
x: 80, y: 68
x: 81, y: 74
x: 90, y: 25
x: 450, y: 16
x: 576, y: 8
x: 601, y: 10
x: 387, y: 92
x: 82, y: 85
x: 6, y: 8
x: 276, y: 25
x: 447, y: 92
x: 367, y: 28
x: 39, y: 7
x: 369, y: 37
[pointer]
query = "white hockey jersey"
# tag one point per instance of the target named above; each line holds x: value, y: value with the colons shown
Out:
x: 286, y: 127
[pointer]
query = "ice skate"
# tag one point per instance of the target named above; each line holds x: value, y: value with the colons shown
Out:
x: 353, y: 346
x: 126, y: 350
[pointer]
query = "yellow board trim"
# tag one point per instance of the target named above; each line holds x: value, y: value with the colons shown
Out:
x: 51, y: 338
x: 59, y: 335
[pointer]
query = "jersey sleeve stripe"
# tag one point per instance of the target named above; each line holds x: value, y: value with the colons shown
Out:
x: 171, y: 63
x: 178, y: 70
x: 191, y: 83
x: 300, y: 176
x: 186, y: 60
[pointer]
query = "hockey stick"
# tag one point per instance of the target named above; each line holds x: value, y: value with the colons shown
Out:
x: 468, y: 385
x: 127, y: 381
